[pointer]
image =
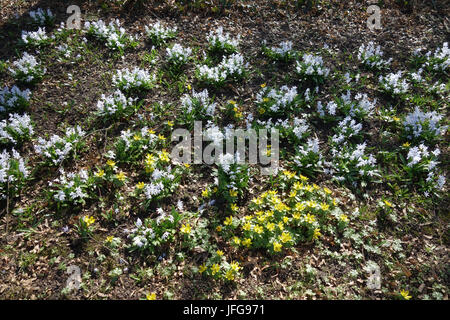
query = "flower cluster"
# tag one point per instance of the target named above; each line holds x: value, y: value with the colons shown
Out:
x: 359, y: 109
x: 116, y: 106
x: 327, y: 113
x: 218, y: 267
x: 312, y: 68
x: 42, y: 17
x: 276, y: 223
x: 294, y: 130
x: 222, y: 42
x: 133, y: 81
x: 113, y: 34
x: 394, y: 84
x: 17, y: 129
x: 158, y: 34
x: 422, y: 167
x: 351, y: 164
x: 177, y: 55
x: 420, y: 125
x: 273, y: 102
x: 27, y: 69
x: 151, y: 234
x: 71, y: 189
x: 197, y: 106
x: 283, y: 53
x: 35, y: 38
x: 345, y: 130
x: 230, y: 68
x: 232, y: 177
x: 57, y: 149
x: 308, y: 158
x: 440, y: 60
x: 372, y: 57
x: 14, y: 99
x: 13, y: 173
x: 131, y: 146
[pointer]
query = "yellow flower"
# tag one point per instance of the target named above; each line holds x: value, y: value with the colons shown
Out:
x: 277, y: 246
x: 237, y: 241
x: 235, y: 266
x: 170, y: 123
x: 265, y: 99
x: 136, y: 137
x: 229, y: 275
x: 219, y: 228
x: 281, y: 225
x: 343, y: 218
x: 285, y: 237
x: 324, y: 206
x: 186, y: 228
x: 396, y: 118
x: 261, y: 110
x: 205, y: 193
x: 202, y: 268
x: 263, y: 85
x: 296, y: 216
x: 270, y: 226
x: 406, y: 144
x: 121, y: 176
x: 247, y: 242
x: 285, y: 219
x: 232, y: 102
x: 234, y: 207
x: 88, y: 220
x: 405, y: 294
x: 310, y: 218
x: 292, y: 194
x: 111, y: 163
x: 233, y: 193
x: 219, y: 253
x: 317, y: 233
x: 109, y: 238
x: 100, y: 173
x: 150, y: 131
x: 387, y: 203
x: 228, y: 221
x: 164, y: 156
x: 215, y: 268
x: 189, y: 86
x: 151, y: 296
x: 258, y: 229
x: 327, y: 191
x: 303, y: 178
x: 247, y: 226
x: 140, y: 185
x: 161, y: 137
x: 187, y: 165
x: 299, y: 206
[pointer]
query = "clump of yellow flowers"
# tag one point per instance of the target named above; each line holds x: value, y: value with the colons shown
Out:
x: 218, y: 267
x: 300, y: 212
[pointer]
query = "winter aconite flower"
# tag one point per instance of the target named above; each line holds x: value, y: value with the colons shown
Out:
x: 185, y: 228
x: 405, y: 294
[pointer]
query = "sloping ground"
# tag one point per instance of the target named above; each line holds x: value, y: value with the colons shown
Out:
x: 395, y: 225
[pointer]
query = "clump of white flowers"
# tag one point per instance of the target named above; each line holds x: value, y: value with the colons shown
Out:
x: 133, y: 81
x: 222, y: 42
x: 422, y: 166
x: 277, y: 101
x: 71, y: 188
x: 152, y: 233
x: 345, y: 130
x: 308, y: 158
x: 27, y: 69
x: 14, y: 99
x: 116, y: 105
x: 13, y: 173
x: 283, y: 53
x: 351, y: 164
x: 360, y: 109
x: 35, y: 38
x: 295, y: 129
x: 57, y: 149
x: 328, y: 112
x: 130, y: 146
x: 42, y: 17
x: 17, y: 129
x: 440, y: 60
x: 372, y: 57
x: 113, y: 34
x: 159, y: 34
x: 230, y: 68
x: 232, y: 178
x: 197, y: 106
x: 419, y: 125
x: 177, y: 55
x: 312, y: 68
x: 394, y: 84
